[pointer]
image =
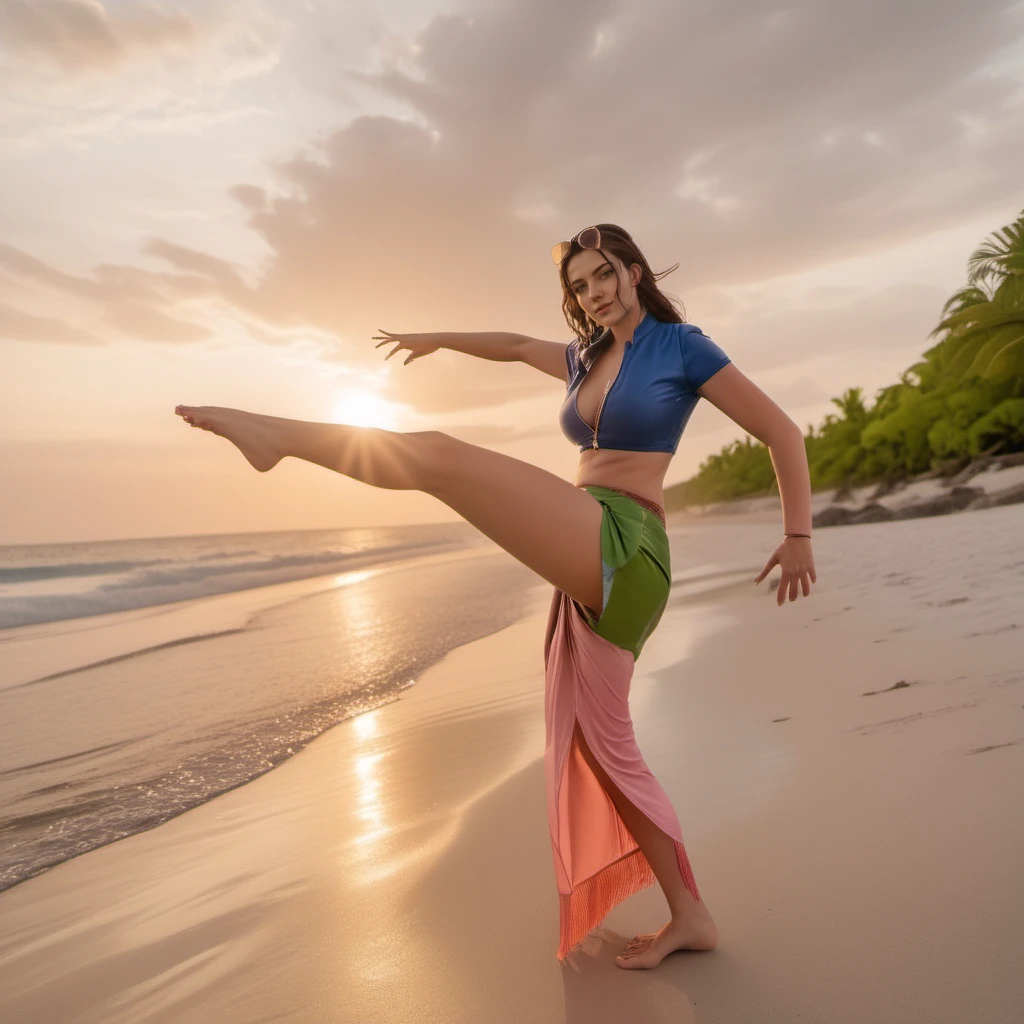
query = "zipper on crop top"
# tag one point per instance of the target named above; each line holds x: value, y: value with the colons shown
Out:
x: 607, y: 388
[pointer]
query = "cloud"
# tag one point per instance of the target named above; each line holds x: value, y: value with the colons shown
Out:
x: 746, y: 143
x: 135, y: 302
x: 76, y: 35
x: 21, y: 326
x: 829, y: 133
x: 756, y: 110
x: 217, y: 275
x: 25, y: 265
x: 137, y: 320
x: 75, y: 69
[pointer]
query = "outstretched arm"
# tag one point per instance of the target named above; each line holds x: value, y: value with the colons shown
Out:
x: 501, y: 346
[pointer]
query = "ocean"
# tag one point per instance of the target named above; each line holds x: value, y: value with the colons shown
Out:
x: 47, y: 582
x: 139, y: 678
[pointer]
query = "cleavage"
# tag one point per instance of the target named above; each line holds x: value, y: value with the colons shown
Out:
x: 607, y: 366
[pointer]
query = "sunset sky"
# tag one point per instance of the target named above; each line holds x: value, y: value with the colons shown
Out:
x: 219, y: 203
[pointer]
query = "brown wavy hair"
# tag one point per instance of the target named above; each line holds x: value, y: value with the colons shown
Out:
x: 591, y: 338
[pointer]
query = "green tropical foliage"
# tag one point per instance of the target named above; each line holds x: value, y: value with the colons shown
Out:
x: 963, y: 398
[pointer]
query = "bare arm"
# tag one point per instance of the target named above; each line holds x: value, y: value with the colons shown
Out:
x: 546, y: 356
x: 749, y: 407
x: 746, y: 404
x: 501, y: 346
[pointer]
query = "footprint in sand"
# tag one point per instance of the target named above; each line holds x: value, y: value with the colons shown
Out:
x: 995, y: 746
x: 899, y: 685
x: 917, y: 716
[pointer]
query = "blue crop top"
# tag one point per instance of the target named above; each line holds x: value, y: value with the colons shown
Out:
x: 651, y: 398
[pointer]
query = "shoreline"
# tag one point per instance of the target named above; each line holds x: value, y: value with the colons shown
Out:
x: 398, y: 867
x: 118, y: 725
x: 159, y: 646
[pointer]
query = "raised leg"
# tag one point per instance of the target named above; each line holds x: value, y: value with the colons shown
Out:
x: 691, y: 925
x: 542, y: 520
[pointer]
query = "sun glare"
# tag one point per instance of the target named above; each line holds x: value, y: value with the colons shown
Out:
x: 364, y: 409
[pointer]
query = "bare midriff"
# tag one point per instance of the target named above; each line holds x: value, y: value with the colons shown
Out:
x: 642, y: 473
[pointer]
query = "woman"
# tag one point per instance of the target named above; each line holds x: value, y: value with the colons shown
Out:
x: 632, y: 377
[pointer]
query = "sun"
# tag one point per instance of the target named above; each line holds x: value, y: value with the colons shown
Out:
x: 364, y: 409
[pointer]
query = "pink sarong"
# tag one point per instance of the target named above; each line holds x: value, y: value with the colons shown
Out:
x: 598, y: 863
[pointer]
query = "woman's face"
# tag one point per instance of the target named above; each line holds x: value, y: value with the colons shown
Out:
x: 594, y: 281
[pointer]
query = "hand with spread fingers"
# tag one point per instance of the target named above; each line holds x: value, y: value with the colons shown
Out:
x: 417, y: 344
x: 797, y: 561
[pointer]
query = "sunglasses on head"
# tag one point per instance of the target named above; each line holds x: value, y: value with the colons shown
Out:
x: 589, y: 238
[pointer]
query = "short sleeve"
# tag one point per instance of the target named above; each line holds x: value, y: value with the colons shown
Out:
x: 702, y: 358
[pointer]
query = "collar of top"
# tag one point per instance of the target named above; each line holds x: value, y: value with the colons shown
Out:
x: 646, y: 325
x: 643, y: 328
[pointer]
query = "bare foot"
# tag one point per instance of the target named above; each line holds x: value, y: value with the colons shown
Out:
x: 648, y: 950
x: 251, y: 433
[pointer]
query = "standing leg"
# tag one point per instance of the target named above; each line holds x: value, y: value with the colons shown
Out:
x: 691, y: 925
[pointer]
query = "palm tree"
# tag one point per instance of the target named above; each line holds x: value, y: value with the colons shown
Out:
x: 983, y: 323
x: 852, y: 406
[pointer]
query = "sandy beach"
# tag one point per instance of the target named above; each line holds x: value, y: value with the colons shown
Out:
x: 846, y: 770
